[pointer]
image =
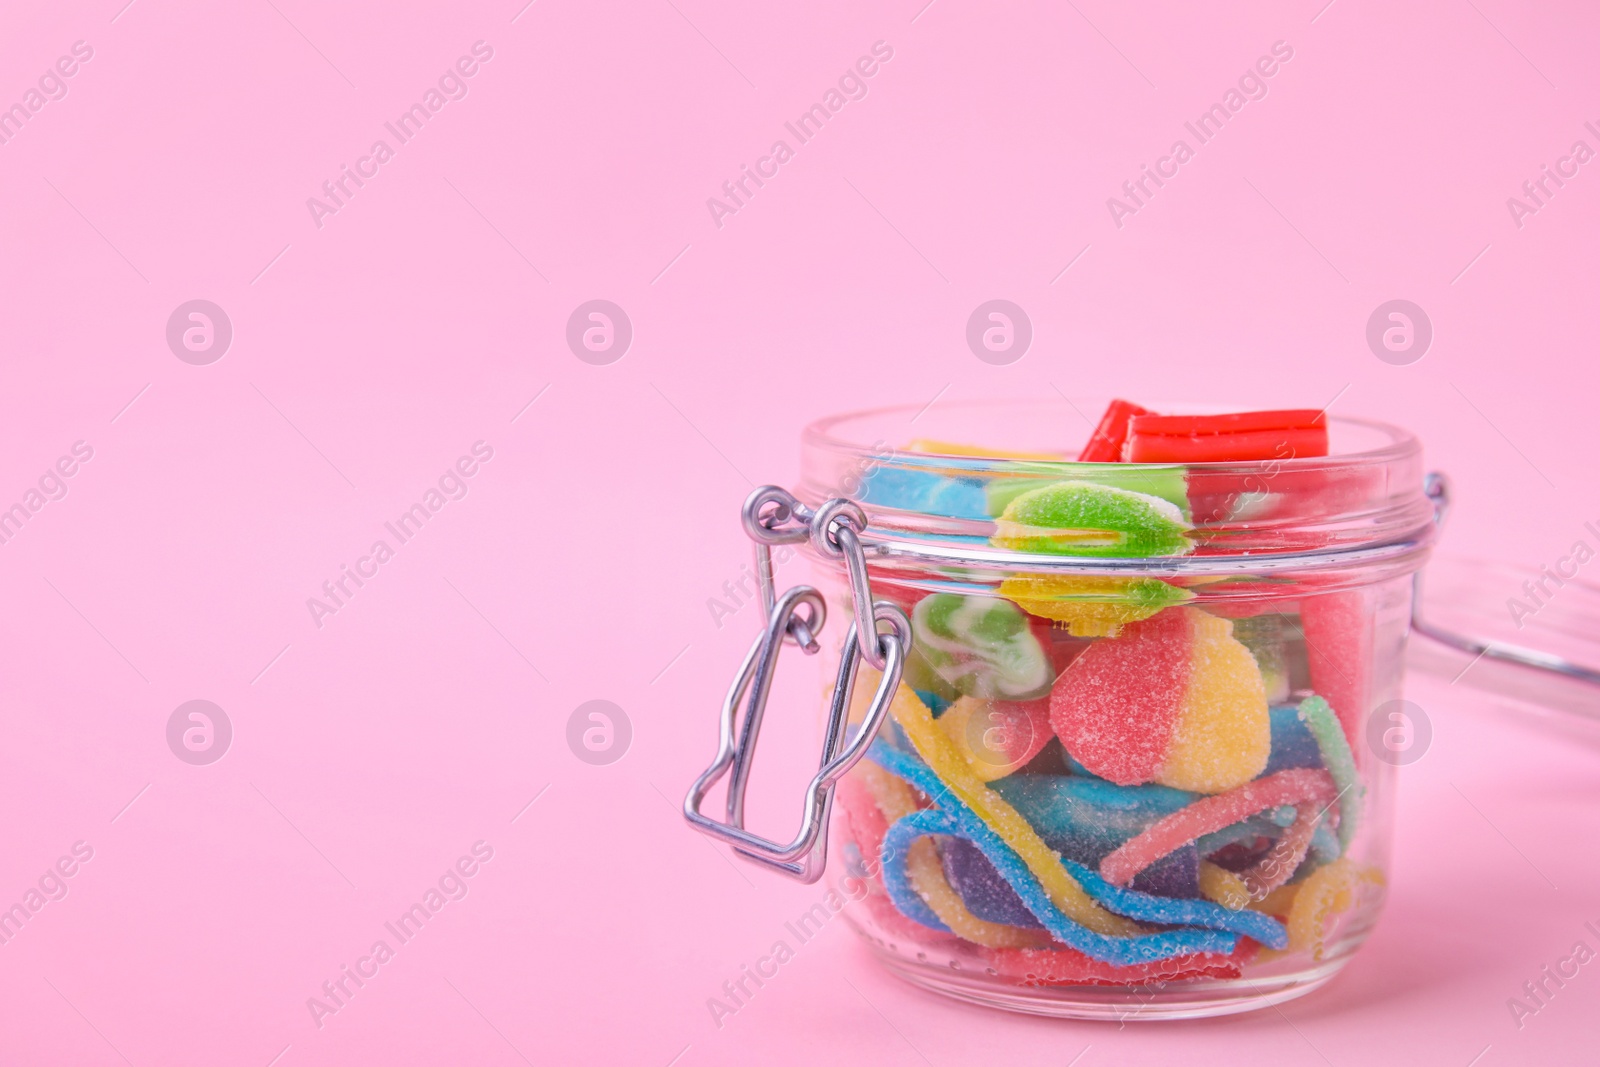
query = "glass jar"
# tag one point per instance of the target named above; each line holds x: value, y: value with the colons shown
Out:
x: 1131, y: 762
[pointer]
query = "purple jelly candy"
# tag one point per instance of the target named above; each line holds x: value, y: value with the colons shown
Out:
x: 986, y: 894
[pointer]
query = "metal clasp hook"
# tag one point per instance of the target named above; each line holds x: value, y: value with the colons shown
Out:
x: 772, y: 516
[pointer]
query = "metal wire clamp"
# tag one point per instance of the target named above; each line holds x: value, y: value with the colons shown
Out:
x: 772, y: 516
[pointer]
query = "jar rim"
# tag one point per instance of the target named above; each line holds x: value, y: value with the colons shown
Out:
x: 1362, y: 505
x: 823, y: 432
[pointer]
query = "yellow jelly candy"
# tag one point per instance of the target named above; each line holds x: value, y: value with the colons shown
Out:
x: 1223, y: 734
x: 1091, y: 605
x: 1328, y: 893
x: 1222, y: 886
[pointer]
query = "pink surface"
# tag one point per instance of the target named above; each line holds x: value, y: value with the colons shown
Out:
x: 373, y: 346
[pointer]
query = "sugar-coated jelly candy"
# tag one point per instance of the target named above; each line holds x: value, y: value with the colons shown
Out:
x: 976, y: 646
x: 927, y: 491
x: 1338, y: 638
x: 1321, y: 898
x: 1173, y: 699
x: 1111, y: 433
x: 997, y: 736
x: 1091, y: 605
x: 1079, y: 518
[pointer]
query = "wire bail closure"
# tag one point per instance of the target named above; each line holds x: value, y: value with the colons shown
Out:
x: 772, y: 516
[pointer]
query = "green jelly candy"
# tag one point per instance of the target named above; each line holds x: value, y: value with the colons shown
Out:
x: 976, y: 646
x: 1084, y: 519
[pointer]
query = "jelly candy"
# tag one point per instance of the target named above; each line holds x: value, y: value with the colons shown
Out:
x: 1223, y: 735
x: 1064, y: 966
x: 976, y: 646
x: 956, y: 818
x: 1105, y: 444
x: 1338, y: 759
x: 1212, y: 813
x: 957, y: 777
x: 926, y: 491
x: 1080, y: 518
x: 1248, y: 435
x: 1292, y: 742
x: 1091, y: 605
x: 1173, y: 699
x: 997, y: 736
x: 1223, y: 886
x: 1321, y: 898
x: 987, y: 895
x: 1338, y: 636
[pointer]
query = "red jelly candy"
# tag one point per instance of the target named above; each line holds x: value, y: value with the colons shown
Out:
x: 1065, y: 966
x: 1116, y: 706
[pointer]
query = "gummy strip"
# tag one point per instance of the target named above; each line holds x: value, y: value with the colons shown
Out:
x: 952, y: 775
x: 961, y: 820
x: 1136, y: 905
x: 918, y: 887
x: 1319, y: 718
x: 1284, y: 857
x: 1223, y: 886
x: 1209, y: 814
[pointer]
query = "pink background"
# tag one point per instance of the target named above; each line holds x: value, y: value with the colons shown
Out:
x: 368, y: 354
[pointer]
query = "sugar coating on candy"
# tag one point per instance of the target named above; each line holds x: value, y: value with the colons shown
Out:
x: 936, y: 751
x: 997, y: 736
x: 927, y: 492
x: 1080, y: 518
x: 957, y: 817
x: 1091, y: 605
x: 1065, y: 966
x: 1223, y: 886
x: 978, y: 646
x: 1115, y: 707
x: 1321, y: 898
x: 987, y: 894
x: 914, y: 878
x: 926, y: 876
x: 1293, y: 745
x: 1212, y: 813
x: 1338, y: 630
x: 1223, y: 733
x: 1340, y: 761
x: 1284, y: 857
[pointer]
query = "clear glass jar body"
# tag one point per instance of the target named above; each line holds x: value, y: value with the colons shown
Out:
x: 1123, y: 787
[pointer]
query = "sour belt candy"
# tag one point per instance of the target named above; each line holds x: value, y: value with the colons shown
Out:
x: 956, y: 818
x: 1213, y: 813
x: 1338, y: 759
